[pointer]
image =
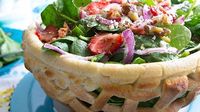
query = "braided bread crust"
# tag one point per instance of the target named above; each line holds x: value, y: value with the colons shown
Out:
x: 71, y: 81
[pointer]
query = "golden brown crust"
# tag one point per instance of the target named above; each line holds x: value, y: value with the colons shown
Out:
x: 71, y: 81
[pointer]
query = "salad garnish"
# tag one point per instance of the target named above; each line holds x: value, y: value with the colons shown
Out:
x: 121, y: 31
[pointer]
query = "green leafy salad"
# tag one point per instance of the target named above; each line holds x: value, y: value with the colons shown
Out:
x: 121, y: 31
x: 9, y: 49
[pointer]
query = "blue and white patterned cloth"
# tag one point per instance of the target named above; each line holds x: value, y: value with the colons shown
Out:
x: 16, y: 14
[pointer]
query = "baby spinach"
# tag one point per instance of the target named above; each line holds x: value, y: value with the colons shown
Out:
x: 68, y: 8
x: 193, y: 23
x: 61, y: 45
x: 158, y: 57
x: 97, y: 58
x: 62, y: 10
x: 143, y: 42
x: 84, y: 38
x: 116, y: 101
x: 78, y: 30
x: 138, y: 60
x: 180, y: 36
x: 81, y: 3
x: 67, y: 39
x: 79, y: 47
x: 50, y: 16
x: 149, y: 103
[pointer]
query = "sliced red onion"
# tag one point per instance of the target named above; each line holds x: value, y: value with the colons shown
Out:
x: 129, y: 41
x: 83, y: 14
x: 104, y: 21
x: 62, y: 52
x: 146, y: 12
x: 180, y: 20
x: 170, y: 50
x: 54, y: 48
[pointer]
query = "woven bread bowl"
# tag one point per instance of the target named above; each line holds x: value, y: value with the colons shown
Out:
x: 71, y: 81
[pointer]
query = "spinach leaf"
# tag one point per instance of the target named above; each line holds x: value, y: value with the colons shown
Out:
x: 185, y: 8
x: 50, y: 16
x: 62, y: 10
x: 158, y: 57
x: 103, y: 27
x: 81, y: 3
x: 67, y: 8
x: 146, y: 42
x: 68, y: 39
x: 77, y: 31
x: 61, y: 45
x: 89, y: 21
x: 196, y: 10
x: 97, y: 58
x: 116, y: 101
x: 138, y: 60
x: 149, y: 103
x: 180, y: 36
x: 97, y: 91
x: 193, y: 23
x: 84, y: 38
x: 117, y: 56
x: 79, y: 47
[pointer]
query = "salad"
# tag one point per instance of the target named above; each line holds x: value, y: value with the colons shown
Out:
x: 9, y: 49
x: 121, y: 31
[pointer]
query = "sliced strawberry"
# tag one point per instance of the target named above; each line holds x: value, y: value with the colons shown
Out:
x: 105, y: 43
x: 47, y: 34
x: 154, y: 11
x: 116, y: 1
x: 96, y: 7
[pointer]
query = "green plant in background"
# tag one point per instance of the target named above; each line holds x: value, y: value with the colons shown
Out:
x: 8, y: 46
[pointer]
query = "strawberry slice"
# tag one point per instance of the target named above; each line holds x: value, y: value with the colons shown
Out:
x: 47, y: 34
x: 96, y: 7
x: 105, y: 43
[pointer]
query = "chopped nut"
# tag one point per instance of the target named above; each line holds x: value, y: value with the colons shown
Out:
x: 125, y: 8
x: 63, y: 31
x: 166, y: 19
x: 133, y: 15
x: 166, y: 39
x: 113, y: 14
x: 157, y: 30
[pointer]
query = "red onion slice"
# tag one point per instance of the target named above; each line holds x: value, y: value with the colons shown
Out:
x: 146, y: 12
x: 83, y: 14
x: 129, y: 41
x: 156, y: 50
x: 180, y: 20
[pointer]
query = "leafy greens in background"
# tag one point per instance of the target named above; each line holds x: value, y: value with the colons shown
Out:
x: 193, y: 23
x: 185, y: 8
x: 7, y: 45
